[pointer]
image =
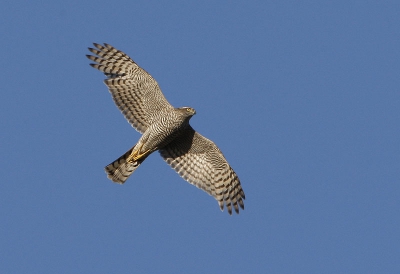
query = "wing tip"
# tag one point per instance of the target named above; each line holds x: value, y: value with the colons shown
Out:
x: 99, y: 46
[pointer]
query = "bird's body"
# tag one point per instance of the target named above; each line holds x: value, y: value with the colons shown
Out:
x: 164, y: 128
x: 159, y: 134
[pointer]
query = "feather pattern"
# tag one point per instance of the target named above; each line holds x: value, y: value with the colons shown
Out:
x: 165, y: 128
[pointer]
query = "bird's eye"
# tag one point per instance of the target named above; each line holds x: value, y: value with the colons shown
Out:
x: 188, y: 109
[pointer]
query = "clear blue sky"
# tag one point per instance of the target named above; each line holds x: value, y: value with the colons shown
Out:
x: 303, y: 98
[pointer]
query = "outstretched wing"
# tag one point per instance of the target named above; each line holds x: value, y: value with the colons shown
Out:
x: 134, y: 91
x: 199, y: 161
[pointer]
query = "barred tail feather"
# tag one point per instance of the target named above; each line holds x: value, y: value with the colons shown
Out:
x: 119, y: 170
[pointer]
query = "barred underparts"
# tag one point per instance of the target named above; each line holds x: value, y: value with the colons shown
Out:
x: 164, y: 128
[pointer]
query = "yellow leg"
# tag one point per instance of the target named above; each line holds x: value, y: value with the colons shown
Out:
x: 135, y: 155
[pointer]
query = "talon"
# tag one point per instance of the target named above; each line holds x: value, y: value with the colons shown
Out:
x: 135, y: 155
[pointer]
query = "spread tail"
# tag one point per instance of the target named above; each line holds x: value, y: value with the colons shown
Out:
x: 119, y: 170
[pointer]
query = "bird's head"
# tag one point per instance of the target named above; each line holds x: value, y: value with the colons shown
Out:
x: 188, y: 111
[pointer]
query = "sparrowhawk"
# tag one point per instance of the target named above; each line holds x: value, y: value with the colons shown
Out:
x: 164, y: 128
